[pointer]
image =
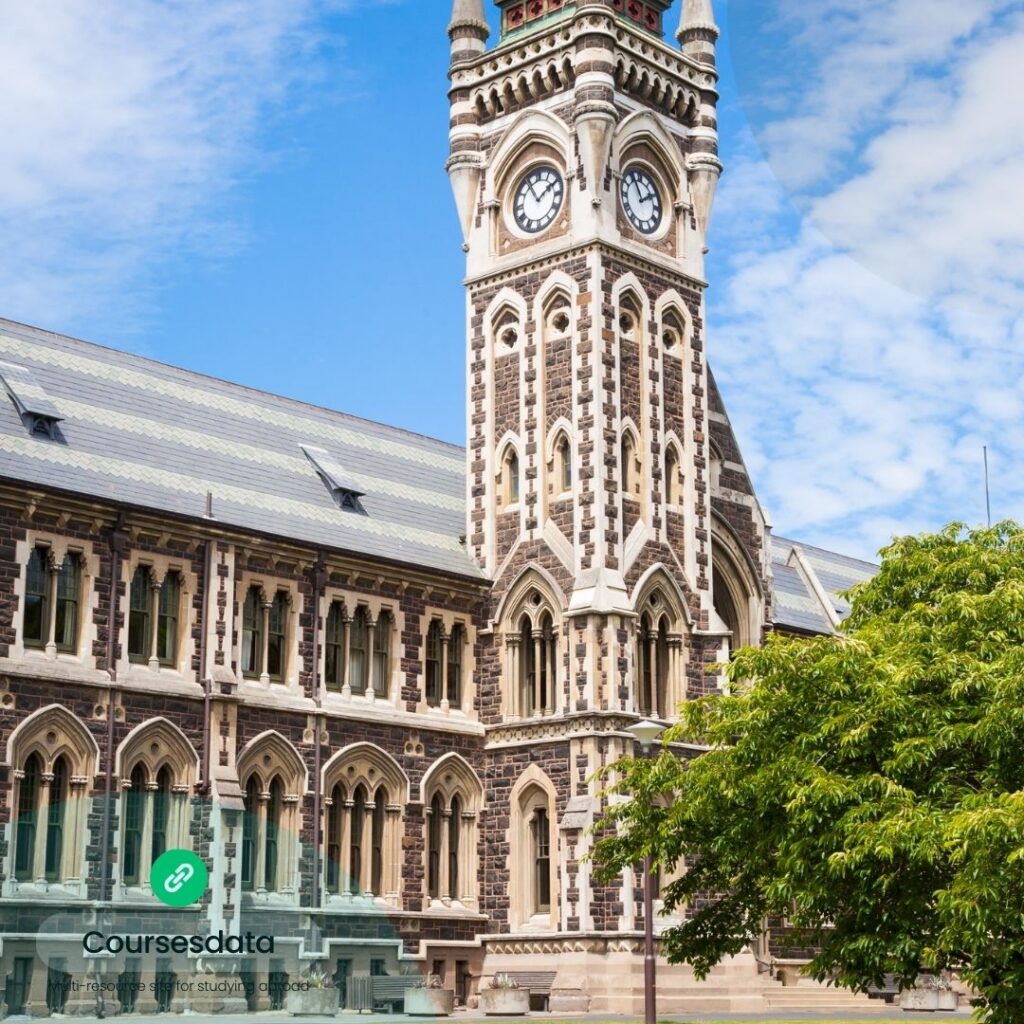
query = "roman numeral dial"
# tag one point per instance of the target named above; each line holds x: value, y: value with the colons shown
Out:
x: 538, y: 199
x: 641, y: 200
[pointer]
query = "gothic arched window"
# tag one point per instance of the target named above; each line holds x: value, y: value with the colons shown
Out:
x: 134, y: 810
x: 25, y: 824
x: 652, y: 666
x: 378, y: 822
x: 250, y: 828
x: 59, y: 793
x: 52, y: 754
x: 455, y: 796
x: 563, y: 459
x: 540, y: 837
x: 355, y: 859
x: 335, y: 817
x: 434, y: 826
x: 671, y: 475
x: 363, y: 823
x: 272, y: 830
x: 510, y: 473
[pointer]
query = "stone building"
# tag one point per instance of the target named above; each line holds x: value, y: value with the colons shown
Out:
x: 365, y: 675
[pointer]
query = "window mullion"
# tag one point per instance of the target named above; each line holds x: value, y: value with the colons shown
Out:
x: 42, y: 827
x: 445, y: 704
x: 154, y: 622
x: 51, y: 608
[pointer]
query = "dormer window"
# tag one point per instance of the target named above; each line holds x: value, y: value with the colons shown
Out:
x: 345, y: 490
x: 34, y: 406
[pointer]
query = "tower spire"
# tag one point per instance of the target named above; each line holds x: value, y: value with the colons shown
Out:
x: 468, y: 29
x: 698, y: 32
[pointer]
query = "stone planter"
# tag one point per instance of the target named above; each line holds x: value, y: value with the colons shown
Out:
x: 505, y: 1002
x: 948, y: 1000
x: 312, y: 1002
x: 429, y: 1002
x: 919, y: 999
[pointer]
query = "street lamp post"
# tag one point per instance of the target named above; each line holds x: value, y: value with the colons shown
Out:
x: 645, y: 733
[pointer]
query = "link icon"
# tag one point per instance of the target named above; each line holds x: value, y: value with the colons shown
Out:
x: 179, y: 878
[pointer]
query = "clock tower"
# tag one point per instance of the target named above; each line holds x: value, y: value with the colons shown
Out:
x: 584, y: 165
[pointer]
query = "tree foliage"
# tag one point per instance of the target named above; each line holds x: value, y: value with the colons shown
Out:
x: 868, y: 787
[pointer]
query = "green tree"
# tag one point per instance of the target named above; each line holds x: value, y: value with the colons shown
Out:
x: 869, y: 787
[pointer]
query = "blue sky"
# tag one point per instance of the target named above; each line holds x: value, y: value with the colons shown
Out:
x: 255, y: 189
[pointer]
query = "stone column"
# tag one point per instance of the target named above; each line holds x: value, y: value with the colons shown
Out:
x: 348, y: 884
x: 155, y: 583
x: 50, y: 626
x: 265, y: 643
x: 444, y: 703
x: 260, y: 851
x: 42, y: 827
x: 346, y: 679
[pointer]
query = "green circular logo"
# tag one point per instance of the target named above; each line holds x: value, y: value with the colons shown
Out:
x: 179, y: 878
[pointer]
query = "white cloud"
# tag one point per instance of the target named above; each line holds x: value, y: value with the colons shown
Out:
x: 124, y: 126
x: 868, y: 337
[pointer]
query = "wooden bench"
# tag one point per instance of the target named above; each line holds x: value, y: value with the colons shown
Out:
x: 537, y: 983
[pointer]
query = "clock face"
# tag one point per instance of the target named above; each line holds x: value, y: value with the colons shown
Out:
x: 641, y: 201
x: 538, y: 199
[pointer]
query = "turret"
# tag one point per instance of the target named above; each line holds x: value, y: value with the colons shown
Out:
x: 698, y: 32
x: 468, y: 30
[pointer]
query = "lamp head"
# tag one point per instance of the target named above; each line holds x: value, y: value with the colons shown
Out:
x: 645, y: 733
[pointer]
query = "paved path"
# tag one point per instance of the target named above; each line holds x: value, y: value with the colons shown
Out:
x: 883, y: 1015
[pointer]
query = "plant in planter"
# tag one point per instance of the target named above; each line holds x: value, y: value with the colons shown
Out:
x: 504, y: 998
x: 924, y: 995
x: 429, y: 998
x: 314, y: 995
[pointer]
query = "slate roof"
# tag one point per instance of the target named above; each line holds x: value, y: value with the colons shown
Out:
x: 805, y: 578
x: 145, y: 434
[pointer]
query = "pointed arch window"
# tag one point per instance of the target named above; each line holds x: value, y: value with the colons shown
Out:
x: 36, y: 621
x: 358, y: 655
x: 271, y: 835
x: 627, y: 455
x: 433, y: 664
x: 134, y: 806
x: 250, y: 830
x: 161, y: 814
x: 382, y: 653
x: 335, y: 819
x: 355, y: 860
x: 652, y: 666
x: 59, y: 793
x: 28, y: 812
x: 671, y: 476
x: 434, y: 827
x: 454, y: 830
x: 538, y: 666
x: 510, y: 474
x: 563, y: 459
x: 377, y: 823
x: 540, y: 835
x: 252, y: 634
x: 334, y: 647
